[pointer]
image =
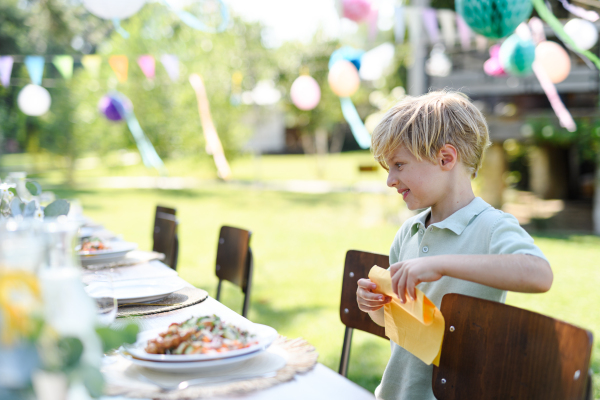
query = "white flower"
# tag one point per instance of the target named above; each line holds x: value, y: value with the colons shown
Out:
x: 4, y: 189
x: 39, y: 214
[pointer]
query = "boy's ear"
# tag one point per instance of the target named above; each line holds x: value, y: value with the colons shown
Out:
x: 447, y: 157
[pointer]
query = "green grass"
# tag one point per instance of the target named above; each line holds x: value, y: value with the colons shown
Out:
x: 299, y: 243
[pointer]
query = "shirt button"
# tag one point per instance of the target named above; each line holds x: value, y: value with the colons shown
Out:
x: 425, y: 249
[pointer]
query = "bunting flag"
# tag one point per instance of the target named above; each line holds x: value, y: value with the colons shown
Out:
x: 6, y: 64
x: 448, y: 23
x: 64, y: 65
x: 171, y: 64
x: 399, y: 24
x: 431, y: 24
x: 148, y: 65
x: 360, y: 132
x: 208, y: 127
x: 119, y: 65
x: 92, y: 64
x: 464, y: 32
x: 372, y: 23
x: 35, y: 67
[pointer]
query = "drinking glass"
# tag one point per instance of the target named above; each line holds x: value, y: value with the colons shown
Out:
x: 101, y: 289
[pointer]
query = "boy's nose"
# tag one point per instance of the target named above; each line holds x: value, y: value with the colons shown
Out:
x: 391, y: 180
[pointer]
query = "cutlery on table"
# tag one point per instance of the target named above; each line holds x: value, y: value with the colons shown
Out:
x: 205, y: 381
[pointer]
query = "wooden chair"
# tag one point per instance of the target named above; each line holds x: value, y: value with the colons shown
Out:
x: 165, y: 236
x: 357, y: 266
x: 494, y: 351
x: 235, y: 261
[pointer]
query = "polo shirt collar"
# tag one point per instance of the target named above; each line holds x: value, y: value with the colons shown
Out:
x: 456, y: 222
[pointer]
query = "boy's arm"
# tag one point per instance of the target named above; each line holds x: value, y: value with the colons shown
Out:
x: 514, y: 272
x: 370, y: 302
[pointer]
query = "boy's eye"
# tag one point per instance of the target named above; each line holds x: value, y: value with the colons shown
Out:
x: 398, y: 165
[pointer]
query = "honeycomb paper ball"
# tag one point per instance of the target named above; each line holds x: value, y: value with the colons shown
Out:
x: 517, y: 55
x: 356, y: 10
x: 34, y: 100
x: 343, y: 78
x: 554, y: 60
x: 494, y: 19
x: 108, y: 106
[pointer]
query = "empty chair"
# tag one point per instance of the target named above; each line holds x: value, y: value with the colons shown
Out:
x: 495, y: 351
x: 357, y: 266
x: 165, y: 235
x: 234, y: 261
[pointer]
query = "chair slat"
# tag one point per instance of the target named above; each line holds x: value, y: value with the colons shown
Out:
x: 495, y: 351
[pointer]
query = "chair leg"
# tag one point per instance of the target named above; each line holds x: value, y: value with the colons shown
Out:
x: 246, y: 305
x: 219, y: 290
x: 345, y: 359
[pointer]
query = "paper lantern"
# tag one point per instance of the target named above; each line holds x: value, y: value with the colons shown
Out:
x: 305, y: 93
x: 554, y: 60
x: 583, y: 33
x: 356, y: 10
x: 343, y: 78
x: 494, y: 19
x: 111, y: 9
x: 34, y: 100
x: 517, y: 55
x: 108, y: 106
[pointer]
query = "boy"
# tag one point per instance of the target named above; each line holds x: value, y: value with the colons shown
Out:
x: 432, y: 146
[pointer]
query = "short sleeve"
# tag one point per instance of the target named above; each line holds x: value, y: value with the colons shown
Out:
x: 508, y: 237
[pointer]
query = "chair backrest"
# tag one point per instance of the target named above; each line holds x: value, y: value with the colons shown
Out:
x: 494, y: 351
x: 357, y: 266
x: 165, y: 236
x: 233, y: 256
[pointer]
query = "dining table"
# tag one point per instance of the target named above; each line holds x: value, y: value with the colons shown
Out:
x: 318, y: 383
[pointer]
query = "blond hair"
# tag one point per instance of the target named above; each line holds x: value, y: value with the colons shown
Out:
x: 425, y: 123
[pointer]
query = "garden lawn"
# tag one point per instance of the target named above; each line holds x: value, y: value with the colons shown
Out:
x: 299, y: 243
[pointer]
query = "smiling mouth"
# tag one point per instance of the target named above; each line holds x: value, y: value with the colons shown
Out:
x: 404, y: 193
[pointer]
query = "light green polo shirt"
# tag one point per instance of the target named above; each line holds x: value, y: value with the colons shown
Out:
x: 477, y: 228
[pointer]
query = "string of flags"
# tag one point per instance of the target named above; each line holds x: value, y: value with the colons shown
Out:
x: 91, y: 63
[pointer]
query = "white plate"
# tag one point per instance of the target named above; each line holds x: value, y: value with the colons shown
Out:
x: 114, y: 248
x: 264, y: 336
x: 193, y: 366
x: 138, y: 293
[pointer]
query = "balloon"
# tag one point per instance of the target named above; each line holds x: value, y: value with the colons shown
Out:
x: 583, y: 33
x: 34, y: 100
x: 305, y: 92
x: 494, y: 19
x: 111, y: 9
x: 343, y: 78
x: 493, y: 66
x: 108, y: 106
x: 517, y: 55
x: 554, y: 60
x: 356, y: 10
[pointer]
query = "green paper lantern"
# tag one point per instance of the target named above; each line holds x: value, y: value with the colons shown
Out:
x: 517, y: 55
x: 494, y: 19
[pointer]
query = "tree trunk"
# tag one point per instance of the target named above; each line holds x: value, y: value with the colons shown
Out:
x: 596, y: 209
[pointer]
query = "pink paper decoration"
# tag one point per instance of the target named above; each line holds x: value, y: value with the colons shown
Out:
x: 464, y: 32
x: 305, y: 92
x: 171, y: 64
x: 356, y: 10
x: 493, y: 67
x: 148, y: 65
x: 6, y: 64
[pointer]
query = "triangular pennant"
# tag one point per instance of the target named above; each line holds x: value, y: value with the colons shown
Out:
x: 6, y: 64
x: 35, y: 67
x: 171, y: 64
x: 147, y: 64
x: 119, y: 65
x: 431, y: 24
x: 92, y: 64
x: 64, y: 65
x: 464, y: 32
x: 448, y: 24
x: 399, y: 25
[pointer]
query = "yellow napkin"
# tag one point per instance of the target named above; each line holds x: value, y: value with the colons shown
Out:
x: 417, y: 326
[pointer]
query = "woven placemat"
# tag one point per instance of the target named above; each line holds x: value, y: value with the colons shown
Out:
x: 182, y: 298
x: 299, y: 355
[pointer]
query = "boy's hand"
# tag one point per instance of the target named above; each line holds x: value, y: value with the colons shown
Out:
x: 366, y: 299
x: 408, y: 274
